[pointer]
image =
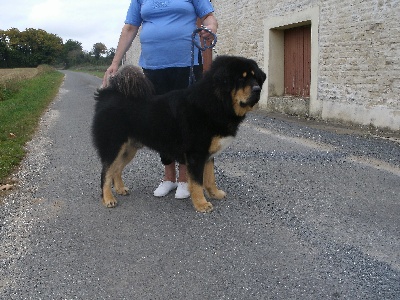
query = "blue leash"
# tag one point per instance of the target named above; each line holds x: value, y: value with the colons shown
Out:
x: 192, y: 78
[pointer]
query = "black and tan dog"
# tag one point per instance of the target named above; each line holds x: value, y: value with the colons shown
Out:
x: 190, y: 126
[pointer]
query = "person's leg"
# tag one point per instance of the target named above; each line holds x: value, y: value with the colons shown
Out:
x: 165, y: 80
x: 169, y: 181
x: 181, y: 80
x: 161, y: 82
x: 159, y: 79
x: 182, y: 191
x: 169, y: 172
x: 182, y: 177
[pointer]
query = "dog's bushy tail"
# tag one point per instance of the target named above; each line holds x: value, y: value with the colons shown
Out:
x: 131, y: 82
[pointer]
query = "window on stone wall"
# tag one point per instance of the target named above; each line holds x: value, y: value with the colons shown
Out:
x: 297, y: 61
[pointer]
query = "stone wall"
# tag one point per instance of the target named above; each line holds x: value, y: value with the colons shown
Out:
x: 358, y: 64
x: 133, y: 54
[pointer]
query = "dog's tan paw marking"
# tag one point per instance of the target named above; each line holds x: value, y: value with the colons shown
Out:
x: 110, y: 203
x: 204, y: 207
x: 122, y: 191
x: 217, y: 194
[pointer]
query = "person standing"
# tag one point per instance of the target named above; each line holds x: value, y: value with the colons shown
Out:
x: 166, y: 41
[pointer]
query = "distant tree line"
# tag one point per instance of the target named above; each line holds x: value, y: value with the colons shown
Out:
x: 33, y: 47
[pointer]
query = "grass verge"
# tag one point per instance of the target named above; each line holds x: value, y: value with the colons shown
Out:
x: 20, y: 112
x: 97, y: 71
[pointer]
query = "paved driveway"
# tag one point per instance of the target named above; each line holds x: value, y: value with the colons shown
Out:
x: 312, y: 212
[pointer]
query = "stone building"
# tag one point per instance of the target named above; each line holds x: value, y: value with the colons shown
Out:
x: 328, y: 60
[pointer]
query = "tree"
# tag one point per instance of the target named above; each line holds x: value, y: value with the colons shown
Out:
x: 111, y: 53
x: 72, y: 53
x: 12, y: 48
x: 4, y: 51
x: 98, y: 49
x: 31, y: 47
x: 71, y: 45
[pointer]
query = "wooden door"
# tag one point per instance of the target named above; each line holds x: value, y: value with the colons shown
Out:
x: 297, y: 61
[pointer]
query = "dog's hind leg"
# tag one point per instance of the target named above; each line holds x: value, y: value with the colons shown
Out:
x: 209, y: 181
x: 106, y: 187
x: 125, y: 155
x: 113, y: 174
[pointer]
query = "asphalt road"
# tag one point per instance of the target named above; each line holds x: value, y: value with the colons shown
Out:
x: 312, y: 212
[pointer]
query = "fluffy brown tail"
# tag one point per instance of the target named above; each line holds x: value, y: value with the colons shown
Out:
x: 131, y: 82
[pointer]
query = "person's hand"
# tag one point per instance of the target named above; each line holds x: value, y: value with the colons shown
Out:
x: 209, y: 22
x: 204, y: 34
x: 109, y: 73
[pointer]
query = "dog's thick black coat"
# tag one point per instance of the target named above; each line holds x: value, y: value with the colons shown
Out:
x: 189, y: 125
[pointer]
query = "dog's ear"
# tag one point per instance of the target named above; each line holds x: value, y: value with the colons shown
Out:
x: 258, y: 73
x: 221, y: 75
x: 260, y: 76
x: 221, y: 78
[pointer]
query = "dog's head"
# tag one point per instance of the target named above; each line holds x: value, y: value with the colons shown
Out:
x: 241, y: 78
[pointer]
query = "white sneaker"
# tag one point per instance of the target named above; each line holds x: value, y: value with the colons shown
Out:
x: 182, y: 191
x: 164, y: 188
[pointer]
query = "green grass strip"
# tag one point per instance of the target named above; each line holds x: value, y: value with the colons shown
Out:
x: 19, y: 117
x: 97, y: 71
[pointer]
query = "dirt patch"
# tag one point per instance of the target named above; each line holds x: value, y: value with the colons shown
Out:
x: 17, y: 74
x: 7, y: 187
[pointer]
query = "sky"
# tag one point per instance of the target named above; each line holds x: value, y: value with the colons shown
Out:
x: 85, y: 21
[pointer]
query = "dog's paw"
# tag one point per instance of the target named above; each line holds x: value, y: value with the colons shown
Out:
x: 110, y: 203
x: 216, y: 194
x: 204, y: 207
x: 122, y: 191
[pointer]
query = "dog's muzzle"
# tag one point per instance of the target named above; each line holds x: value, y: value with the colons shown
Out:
x: 254, y: 97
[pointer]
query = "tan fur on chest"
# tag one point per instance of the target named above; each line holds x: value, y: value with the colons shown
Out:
x: 218, y: 144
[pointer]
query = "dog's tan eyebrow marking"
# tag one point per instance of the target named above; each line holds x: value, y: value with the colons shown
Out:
x: 252, y: 72
x: 244, y: 74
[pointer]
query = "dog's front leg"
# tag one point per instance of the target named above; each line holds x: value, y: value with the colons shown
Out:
x: 195, y: 168
x: 209, y: 181
x: 199, y: 201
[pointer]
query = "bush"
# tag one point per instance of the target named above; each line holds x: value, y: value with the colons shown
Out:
x: 9, y: 88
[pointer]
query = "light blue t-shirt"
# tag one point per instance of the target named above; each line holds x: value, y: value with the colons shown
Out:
x: 167, y: 26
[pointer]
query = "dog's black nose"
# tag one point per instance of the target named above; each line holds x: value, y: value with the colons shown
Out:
x: 256, y: 89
